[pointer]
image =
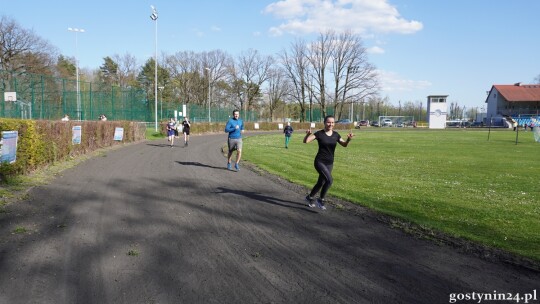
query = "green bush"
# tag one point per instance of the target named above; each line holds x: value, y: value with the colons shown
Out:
x: 43, y: 142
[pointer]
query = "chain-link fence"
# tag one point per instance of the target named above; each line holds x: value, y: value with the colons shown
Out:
x: 32, y: 96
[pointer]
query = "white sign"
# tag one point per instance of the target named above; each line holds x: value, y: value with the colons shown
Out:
x: 280, y: 126
x: 118, y: 133
x: 76, y: 136
x: 256, y: 126
x: 10, y: 96
x: 8, y: 146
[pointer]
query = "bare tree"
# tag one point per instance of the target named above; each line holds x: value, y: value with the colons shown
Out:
x: 216, y: 64
x: 354, y: 77
x: 319, y: 55
x: 126, y: 68
x: 537, y: 79
x: 23, y: 50
x: 295, y: 66
x: 251, y: 71
x: 187, y: 77
x: 278, y: 88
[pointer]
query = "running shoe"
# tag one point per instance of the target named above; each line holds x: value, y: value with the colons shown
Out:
x: 237, y: 167
x: 310, y: 202
x: 320, y: 203
x: 229, y: 166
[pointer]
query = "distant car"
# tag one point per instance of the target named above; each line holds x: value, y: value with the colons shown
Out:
x: 375, y: 123
x: 344, y: 121
x: 387, y: 122
x: 362, y: 123
x: 477, y: 124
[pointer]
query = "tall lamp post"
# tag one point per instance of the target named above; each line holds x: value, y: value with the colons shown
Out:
x: 154, y: 17
x: 209, y: 95
x: 77, y: 30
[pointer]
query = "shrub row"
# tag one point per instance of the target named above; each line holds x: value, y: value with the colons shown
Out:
x: 44, y: 142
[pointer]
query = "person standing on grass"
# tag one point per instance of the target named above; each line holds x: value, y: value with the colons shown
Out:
x: 186, y: 125
x: 170, y: 131
x: 235, y: 128
x: 324, y: 161
x: 288, y: 130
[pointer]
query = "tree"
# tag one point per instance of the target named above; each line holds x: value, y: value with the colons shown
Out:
x: 295, y: 66
x: 65, y: 67
x: 126, y: 69
x: 23, y: 50
x: 108, y: 72
x: 537, y: 79
x: 354, y: 77
x: 278, y: 88
x: 251, y: 71
x: 319, y: 55
x: 146, y: 77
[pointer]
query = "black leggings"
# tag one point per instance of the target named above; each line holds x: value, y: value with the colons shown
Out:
x: 325, y: 179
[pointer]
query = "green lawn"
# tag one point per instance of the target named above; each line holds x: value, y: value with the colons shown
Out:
x: 455, y: 181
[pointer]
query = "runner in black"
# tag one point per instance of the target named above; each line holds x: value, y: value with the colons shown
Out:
x: 324, y: 161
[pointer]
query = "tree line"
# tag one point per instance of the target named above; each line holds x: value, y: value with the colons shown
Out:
x: 331, y: 73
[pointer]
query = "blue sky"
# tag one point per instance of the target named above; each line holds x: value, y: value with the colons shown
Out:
x: 458, y: 48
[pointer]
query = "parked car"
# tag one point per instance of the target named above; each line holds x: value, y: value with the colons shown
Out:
x: 362, y: 123
x: 477, y: 124
x: 344, y: 121
x: 375, y: 123
x: 387, y: 122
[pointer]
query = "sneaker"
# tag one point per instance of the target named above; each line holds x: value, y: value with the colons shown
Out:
x: 320, y: 203
x: 310, y: 202
x: 229, y: 166
x: 185, y: 144
x: 237, y: 167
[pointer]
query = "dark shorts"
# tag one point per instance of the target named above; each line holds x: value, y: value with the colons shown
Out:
x: 186, y: 131
x: 170, y: 132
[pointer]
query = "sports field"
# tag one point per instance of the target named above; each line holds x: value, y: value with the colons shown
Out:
x: 454, y: 181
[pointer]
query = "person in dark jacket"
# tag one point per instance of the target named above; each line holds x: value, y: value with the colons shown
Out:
x: 288, y: 130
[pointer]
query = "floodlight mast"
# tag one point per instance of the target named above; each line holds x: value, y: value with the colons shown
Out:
x: 77, y: 30
x: 154, y: 17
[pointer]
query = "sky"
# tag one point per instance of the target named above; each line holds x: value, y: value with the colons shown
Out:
x: 458, y: 48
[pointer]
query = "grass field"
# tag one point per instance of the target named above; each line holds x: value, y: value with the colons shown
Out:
x: 454, y: 181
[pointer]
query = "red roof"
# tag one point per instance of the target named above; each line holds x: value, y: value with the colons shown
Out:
x: 516, y: 93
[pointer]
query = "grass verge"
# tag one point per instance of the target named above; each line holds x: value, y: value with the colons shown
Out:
x: 454, y: 181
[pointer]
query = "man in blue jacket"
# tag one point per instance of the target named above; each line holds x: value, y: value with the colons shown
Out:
x: 235, y: 128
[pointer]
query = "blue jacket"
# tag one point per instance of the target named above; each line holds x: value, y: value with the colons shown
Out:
x: 230, y: 128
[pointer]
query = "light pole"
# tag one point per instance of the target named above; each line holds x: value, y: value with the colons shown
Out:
x: 77, y: 30
x: 161, y: 102
x: 154, y: 17
x: 209, y: 95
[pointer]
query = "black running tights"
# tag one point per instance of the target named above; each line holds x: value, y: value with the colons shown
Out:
x: 325, y: 179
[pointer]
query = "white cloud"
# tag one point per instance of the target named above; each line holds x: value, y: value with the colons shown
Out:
x: 375, y: 50
x: 392, y: 82
x: 215, y: 29
x: 360, y: 16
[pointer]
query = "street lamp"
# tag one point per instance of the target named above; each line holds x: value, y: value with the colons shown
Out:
x: 154, y: 17
x: 77, y: 30
x: 161, y: 101
x: 209, y: 95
